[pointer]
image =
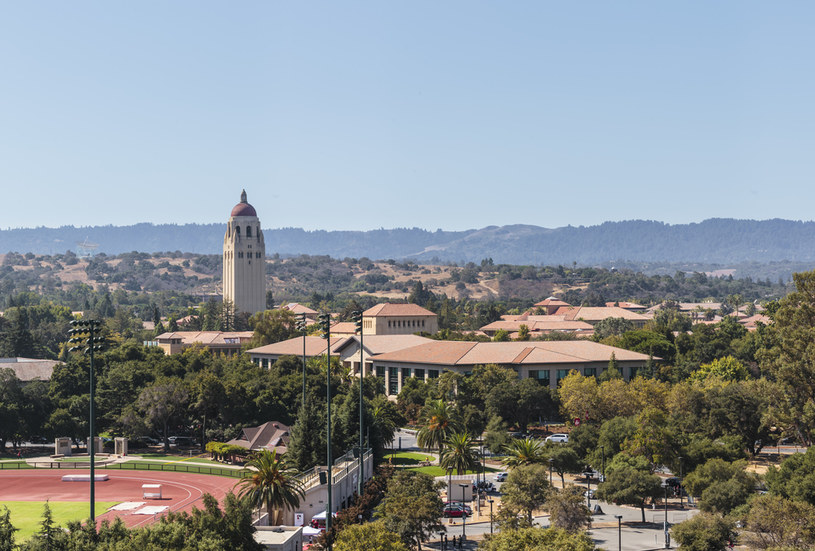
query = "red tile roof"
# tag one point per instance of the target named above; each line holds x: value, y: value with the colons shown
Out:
x: 529, y: 352
x: 390, y: 309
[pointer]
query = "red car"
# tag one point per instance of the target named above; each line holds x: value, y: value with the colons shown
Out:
x: 456, y: 510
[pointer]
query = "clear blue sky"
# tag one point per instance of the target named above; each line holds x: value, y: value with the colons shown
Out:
x: 360, y: 115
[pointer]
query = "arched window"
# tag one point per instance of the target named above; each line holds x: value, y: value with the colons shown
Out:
x: 238, y: 231
x: 248, y: 231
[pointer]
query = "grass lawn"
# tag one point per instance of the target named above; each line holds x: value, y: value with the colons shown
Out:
x: 163, y: 458
x: 14, y: 464
x: 410, y: 461
x: 27, y: 515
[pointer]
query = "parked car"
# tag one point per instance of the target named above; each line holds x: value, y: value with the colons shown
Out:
x: 455, y: 511
x: 501, y: 477
x: 461, y: 504
x: 560, y: 438
x: 182, y: 441
x: 484, y: 486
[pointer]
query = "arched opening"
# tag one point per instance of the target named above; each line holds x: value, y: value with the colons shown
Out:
x: 248, y: 231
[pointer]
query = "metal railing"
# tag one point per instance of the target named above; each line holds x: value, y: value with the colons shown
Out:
x: 178, y: 467
x: 15, y: 465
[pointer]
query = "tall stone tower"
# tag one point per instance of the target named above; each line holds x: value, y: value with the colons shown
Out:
x: 244, y: 260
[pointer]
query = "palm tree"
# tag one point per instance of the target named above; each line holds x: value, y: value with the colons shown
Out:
x: 437, y: 425
x: 460, y: 454
x: 271, y: 484
x: 524, y: 452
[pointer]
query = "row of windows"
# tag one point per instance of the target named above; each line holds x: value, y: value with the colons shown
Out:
x: 406, y: 323
x: 228, y: 255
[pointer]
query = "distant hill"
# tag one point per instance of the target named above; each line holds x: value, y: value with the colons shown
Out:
x: 716, y: 241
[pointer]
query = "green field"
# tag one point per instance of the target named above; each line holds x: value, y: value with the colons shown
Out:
x: 26, y: 516
x: 160, y: 457
x: 410, y: 461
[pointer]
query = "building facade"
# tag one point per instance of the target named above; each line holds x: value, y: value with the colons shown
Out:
x: 244, y: 276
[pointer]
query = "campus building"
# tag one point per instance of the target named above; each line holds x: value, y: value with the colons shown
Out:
x: 244, y: 275
x: 544, y: 361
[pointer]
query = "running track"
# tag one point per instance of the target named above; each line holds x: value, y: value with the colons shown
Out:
x: 180, y: 491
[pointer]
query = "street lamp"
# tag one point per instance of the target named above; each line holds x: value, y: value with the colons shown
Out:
x: 603, y: 450
x: 619, y: 532
x: 551, y: 462
x: 490, y: 501
x: 442, y: 542
x: 463, y: 513
x: 665, y: 523
x: 85, y: 338
x: 681, y: 505
x: 588, y: 490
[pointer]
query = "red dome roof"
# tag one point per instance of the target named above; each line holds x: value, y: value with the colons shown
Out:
x: 243, y: 208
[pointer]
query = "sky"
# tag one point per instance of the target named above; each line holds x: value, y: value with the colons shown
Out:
x: 362, y: 115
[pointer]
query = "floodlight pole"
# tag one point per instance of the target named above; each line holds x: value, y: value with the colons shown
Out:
x: 91, y: 440
x: 325, y: 319
x: 358, y: 324
x: 84, y: 332
x: 301, y: 325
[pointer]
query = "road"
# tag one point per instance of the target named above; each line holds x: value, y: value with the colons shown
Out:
x: 634, y: 534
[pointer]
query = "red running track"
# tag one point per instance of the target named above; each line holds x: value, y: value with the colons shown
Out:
x: 180, y: 491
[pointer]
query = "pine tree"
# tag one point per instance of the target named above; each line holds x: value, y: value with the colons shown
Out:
x: 307, y: 444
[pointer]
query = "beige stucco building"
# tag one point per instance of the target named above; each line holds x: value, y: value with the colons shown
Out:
x: 244, y: 276
x: 398, y: 319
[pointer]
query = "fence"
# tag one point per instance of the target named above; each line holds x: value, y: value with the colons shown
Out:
x: 178, y: 467
x: 14, y: 465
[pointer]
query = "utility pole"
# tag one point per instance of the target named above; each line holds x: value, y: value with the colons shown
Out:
x: 84, y: 337
x: 325, y: 325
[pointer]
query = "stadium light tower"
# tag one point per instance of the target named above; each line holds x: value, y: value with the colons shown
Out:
x: 85, y: 338
x: 325, y: 326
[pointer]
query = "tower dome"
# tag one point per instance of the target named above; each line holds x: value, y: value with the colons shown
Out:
x: 243, y: 208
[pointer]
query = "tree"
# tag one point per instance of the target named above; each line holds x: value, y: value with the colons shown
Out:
x: 160, y: 402
x: 50, y: 537
x: 502, y: 335
x: 523, y: 452
x: 629, y: 485
x: 438, y: 423
x: 307, y: 441
x: 538, y: 539
x: 567, y: 508
x: 523, y: 333
x: 722, y: 486
x: 795, y: 478
x: 272, y: 326
x: 412, y: 508
x: 564, y: 459
x: 6, y: 531
x: 270, y: 484
x: 727, y: 368
x: 791, y: 358
x: 775, y: 522
x: 526, y: 489
x: 12, y: 406
x: 496, y: 437
x: 370, y: 536
x: 704, y: 532
x: 459, y: 453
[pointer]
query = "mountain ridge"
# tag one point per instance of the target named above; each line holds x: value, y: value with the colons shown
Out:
x: 719, y: 240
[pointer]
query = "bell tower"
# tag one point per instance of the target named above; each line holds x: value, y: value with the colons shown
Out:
x: 244, y: 277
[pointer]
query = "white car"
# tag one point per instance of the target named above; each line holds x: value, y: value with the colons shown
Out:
x: 559, y: 437
x: 500, y: 477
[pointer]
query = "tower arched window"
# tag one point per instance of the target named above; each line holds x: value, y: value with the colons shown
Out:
x: 238, y: 231
x: 248, y: 231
